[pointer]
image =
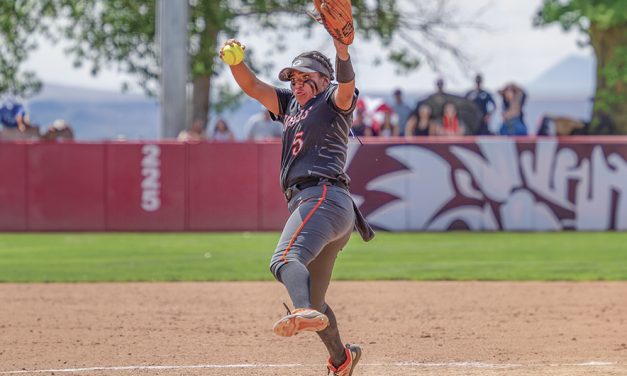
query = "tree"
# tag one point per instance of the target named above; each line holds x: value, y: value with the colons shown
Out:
x: 604, y: 23
x: 121, y: 33
x: 17, y: 26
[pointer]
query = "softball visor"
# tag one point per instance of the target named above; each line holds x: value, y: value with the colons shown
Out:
x: 304, y: 65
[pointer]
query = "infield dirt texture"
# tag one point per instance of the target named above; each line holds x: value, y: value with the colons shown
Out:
x: 223, y: 328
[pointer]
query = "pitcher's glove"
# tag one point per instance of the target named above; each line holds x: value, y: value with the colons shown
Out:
x: 337, y: 17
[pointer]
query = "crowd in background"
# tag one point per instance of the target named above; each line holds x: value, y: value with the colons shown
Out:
x: 259, y: 127
x: 16, y: 125
x: 444, y: 114
x: 438, y: 114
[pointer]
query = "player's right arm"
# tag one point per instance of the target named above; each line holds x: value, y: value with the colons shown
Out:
x: 252, y: 86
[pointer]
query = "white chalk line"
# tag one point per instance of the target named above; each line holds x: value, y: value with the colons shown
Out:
x: 408, y: 364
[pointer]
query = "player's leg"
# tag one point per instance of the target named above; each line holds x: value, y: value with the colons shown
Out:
x: 296, y: 279
x: 321, y: 215
x: 320, y: 270
x: 342, y: 360
x: 297, y: 246
x: 316, y: 221
x: 288, y: 265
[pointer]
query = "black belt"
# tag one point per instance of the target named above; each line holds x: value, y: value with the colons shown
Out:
x: 292, y: 190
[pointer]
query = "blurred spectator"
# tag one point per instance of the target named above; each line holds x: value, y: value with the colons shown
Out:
x: 421, y: 122
x: 438, y: 99
x: 13, y: 115
x: 513, y: 101
x: 360, y: 125
x: 195, y: 133
x: 486, y: 104
x: 261, y: 127
x: 389, y: 125
x: 519, y: 94
x: 59, y: 130
x: 15, y: 123
x: 560, y: 126
x: 439, y: 84
x: 402, y: 110
x: 451, y: 124
x: 222, y: 132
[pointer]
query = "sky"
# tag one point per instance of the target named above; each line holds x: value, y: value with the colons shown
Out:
x: 510, y: 50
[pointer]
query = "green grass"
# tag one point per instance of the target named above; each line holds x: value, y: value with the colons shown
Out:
x: 69, y: 257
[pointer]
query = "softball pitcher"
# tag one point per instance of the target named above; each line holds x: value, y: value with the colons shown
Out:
x: 316, y: 115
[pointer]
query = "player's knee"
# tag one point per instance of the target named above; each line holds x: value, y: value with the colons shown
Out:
x: 277, y: 262
x: 275, y: 265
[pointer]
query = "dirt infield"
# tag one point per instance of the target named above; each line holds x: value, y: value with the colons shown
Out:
x: 406, y: 328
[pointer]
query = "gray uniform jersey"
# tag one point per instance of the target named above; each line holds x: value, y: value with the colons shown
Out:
x: 315, y: 143
x: 315, y: 137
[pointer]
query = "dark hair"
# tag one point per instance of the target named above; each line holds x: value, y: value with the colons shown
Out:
x: 321, y: 58
x: 221, y: 120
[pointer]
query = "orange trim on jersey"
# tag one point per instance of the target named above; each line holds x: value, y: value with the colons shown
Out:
x: 289, y: 246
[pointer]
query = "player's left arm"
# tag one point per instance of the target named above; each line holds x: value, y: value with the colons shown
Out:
x: 343, y: 96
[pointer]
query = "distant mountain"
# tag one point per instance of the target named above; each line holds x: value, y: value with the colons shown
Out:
x: 72, y: 93
x: 108, y: 115
x: 572, y: 77
x: 96, y: 114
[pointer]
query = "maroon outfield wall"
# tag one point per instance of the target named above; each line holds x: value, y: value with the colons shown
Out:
x: 492, y: 183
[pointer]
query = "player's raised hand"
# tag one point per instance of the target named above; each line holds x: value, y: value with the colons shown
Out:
x: 341, y: 49
x: 232, y: 42
x: 232, y: 52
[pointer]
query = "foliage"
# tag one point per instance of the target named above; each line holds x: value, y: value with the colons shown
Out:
x: 614, y: 73
x: 121, y: 33
x: 582, y: 13
x: 118, y: 32
x: 604, y: 22
x: 17, y: 26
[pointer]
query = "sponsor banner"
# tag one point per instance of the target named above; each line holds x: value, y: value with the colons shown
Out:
x: 145, y: 187
x: 492, y: 184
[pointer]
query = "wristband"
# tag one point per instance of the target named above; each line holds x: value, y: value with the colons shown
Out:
x: 344, y: 69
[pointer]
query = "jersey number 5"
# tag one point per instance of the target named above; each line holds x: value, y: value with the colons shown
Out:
x: 297, y: 144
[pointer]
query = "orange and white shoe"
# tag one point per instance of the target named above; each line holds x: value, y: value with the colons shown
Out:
x: 300, y: 320
x: 353, y: 353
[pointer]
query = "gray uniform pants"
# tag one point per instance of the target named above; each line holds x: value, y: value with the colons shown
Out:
x: 319, y: 227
